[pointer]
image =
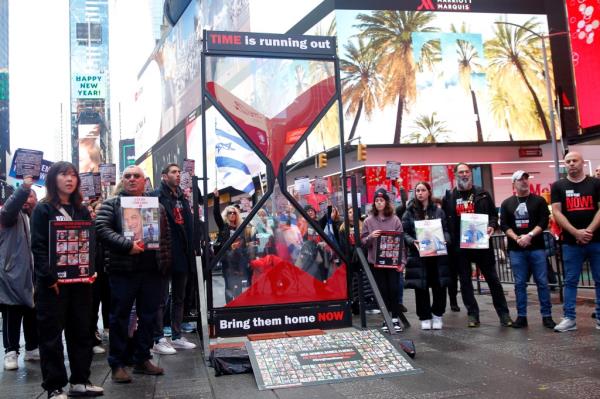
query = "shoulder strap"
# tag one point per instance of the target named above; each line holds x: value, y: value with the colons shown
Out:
x: 65, y: 214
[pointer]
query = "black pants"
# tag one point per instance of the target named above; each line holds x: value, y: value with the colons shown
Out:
x: 387, y: 282
x: 453, y: 269
x: 101, y: 294
x: 144, y: 289
x: 484, y: 259
x: 70, y: 311
x: 12, y: 315
x: 425, y: 308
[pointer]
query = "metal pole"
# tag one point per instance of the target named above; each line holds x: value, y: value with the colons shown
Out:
x: 550, y: 109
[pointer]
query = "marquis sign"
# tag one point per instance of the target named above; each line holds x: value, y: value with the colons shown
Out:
x: 268, y: 42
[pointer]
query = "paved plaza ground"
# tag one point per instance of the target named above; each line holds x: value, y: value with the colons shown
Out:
x: 486, y: 362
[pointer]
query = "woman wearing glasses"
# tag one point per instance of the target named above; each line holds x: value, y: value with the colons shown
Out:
x: 61, y: 307
x: 235, y: 261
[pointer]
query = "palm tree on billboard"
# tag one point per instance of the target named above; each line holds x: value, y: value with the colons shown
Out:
x: 390, y: 33
x: 515, y: 51
x: 430, y: 130
x: 362, y: 85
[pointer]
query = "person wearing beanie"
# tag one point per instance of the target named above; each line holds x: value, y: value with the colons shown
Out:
x: 383, y: 219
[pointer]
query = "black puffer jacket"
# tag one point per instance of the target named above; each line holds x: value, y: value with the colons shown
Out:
x: 109, y: 231
x: 416, y: 270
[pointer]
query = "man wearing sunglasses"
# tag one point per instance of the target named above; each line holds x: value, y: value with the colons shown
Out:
x: 134, y: 275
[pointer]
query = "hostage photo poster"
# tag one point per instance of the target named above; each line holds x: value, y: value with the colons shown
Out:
x: 141, y: 221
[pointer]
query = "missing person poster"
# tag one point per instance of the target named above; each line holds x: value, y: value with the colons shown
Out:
x: 389, y: 249
x: 108, y: 174
x: 392, y: 170
x: 431, y: 237
x: 141, y: 221
x: 27, y: 163
x: 87, y: 188
x: 320, y: 185
x: 302, y: 185
x: 72, y: 250
x: 473, y: 231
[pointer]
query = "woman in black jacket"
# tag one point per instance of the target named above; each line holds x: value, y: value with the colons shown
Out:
x: 61, y: 307
x: 425, y: 272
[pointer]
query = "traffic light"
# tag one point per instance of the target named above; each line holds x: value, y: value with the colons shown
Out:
x: 321, y: 160
x: 361, y: 152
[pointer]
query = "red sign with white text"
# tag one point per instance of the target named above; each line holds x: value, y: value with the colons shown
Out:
x: 584, y: 24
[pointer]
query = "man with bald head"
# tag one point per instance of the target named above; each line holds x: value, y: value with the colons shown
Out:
x: 576, y: 209
x: 134, y: 275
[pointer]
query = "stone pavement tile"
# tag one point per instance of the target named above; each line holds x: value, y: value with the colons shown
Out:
x: 325, y: 391
x: 461, y: 369
x: 142, y: 387
x: 540, y: 354
x: 580, y: 387
x: 512, y: 387
x: 237, y: 386
x: 428, y: 382
x: 366, y: 387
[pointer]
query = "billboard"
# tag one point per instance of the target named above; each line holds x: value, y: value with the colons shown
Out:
x: 584, y: 21
x: 89, y: 85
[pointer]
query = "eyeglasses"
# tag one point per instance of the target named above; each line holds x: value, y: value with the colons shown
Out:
x: 130, y: 175
x: 232, y: 213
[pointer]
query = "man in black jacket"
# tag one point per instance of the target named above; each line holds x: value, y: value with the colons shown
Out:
x: 181, y: 225
x: 467, y: 198
x: 134, y: 275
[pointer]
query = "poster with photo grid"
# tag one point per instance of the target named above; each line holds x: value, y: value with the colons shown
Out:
x: 389, y: 249
x: 72, y: 250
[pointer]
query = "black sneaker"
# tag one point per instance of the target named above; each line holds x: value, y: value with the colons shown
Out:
x: 548, y: 322
x: 385, y: 328
x: 505, y: 320
x: 454, y: 307
x: 520, y: 322
x: 397, y: 325
x: 473, y: 321
x: 402, y: 308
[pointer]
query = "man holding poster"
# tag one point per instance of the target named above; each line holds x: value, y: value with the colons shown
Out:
x: 466, y: 198
x: 134, y: 273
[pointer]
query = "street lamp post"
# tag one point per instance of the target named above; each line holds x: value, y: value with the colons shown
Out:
x: 548, y: 94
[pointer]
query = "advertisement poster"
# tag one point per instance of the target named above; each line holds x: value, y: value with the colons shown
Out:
x: 97, y: 185
x: 108, y: 174
x: 473, y: 231
x: 392, y: 170
x: 431, y: 237
x: 389, y: 249
x: 322, y: 359
x: 72, y: 249
x: 27, y: 163
x: 320, y: 185
x: 141, y: 221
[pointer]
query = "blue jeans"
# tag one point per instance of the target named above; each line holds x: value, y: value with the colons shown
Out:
x: 573, y: 257
x: 522, y: 262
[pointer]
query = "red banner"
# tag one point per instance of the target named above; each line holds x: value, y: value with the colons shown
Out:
x: 584, y: 23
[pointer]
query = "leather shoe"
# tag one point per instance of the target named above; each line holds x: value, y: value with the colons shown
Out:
x: 520, y: 322
x: 454, y: 307
x: 148, y: 368
x: 119, y: 375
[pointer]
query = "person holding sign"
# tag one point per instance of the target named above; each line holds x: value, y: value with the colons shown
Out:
x: 466, y: 198
x: 16, y: 276
x: 423, y: 273
x: 382, y: 220
x: 523, y: 218
x: 61, y: 307
x: 135, y: 275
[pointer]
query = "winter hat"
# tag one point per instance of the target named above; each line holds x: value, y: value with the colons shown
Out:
x: 381, y: 193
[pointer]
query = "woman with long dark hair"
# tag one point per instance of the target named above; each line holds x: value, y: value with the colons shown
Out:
x: 61, y: 307
x: 381, y: 220
x: 423, y: 273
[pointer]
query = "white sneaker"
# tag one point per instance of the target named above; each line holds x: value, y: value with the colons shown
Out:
x: 57, y: 394
x: 597, y: 324
x: 85, y: 390
x: 10, y: 361
x: 426, y: 324
x: 437, y: 323
x: 163, y: 347
x: 182, y: 343
x: 565, y: 325
x: 32, y: 355
x: 98, y: 350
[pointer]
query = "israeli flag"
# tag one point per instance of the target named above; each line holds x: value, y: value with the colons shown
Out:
x: 236, y: 162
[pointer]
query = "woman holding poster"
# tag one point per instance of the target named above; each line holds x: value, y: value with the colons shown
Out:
x: 381, y: 221
x: 61, y: 307
x: 425, y: 268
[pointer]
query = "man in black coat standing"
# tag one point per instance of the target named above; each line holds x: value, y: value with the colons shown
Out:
x: 181, y: 225
x: 134, y: 275
x: 467, y: 198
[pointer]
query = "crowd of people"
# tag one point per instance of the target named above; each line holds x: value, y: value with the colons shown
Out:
x: 137, y: 286
x: 134, y: 284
